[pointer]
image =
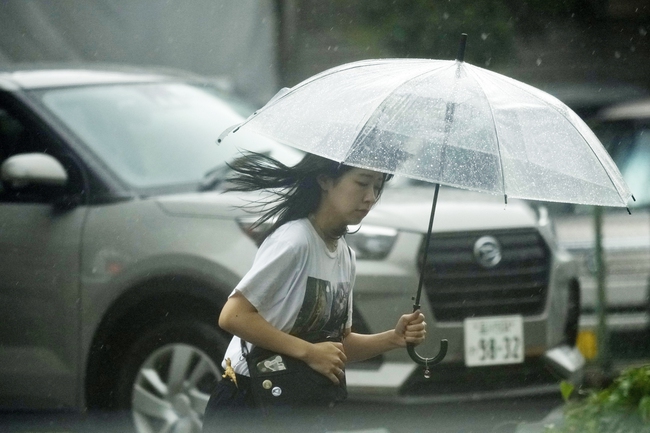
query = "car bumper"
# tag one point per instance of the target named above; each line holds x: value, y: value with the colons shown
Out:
x: 617, y: 322
x: 405, y: 379
x: 382, y: 292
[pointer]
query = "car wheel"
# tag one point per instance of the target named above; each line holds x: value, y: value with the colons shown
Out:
x: 168, y: 374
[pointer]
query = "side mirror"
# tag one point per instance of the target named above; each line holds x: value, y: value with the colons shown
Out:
x: 33, y: 168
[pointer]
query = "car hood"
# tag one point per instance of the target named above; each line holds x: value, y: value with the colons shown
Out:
x: 400, y: 208
x: 209, y: 204
x: 409, y: 209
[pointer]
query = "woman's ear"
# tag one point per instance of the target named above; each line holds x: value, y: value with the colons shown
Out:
x: 324, y: 181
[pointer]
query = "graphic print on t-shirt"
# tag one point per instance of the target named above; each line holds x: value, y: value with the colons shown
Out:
x: 324, y: 309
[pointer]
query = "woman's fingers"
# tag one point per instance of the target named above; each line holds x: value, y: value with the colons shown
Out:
x: 341, y: 352
x: 419, y: 327
x: 414, y: 317
x: 329, y: 360
x: 336, y: 375
x: 416, y: 329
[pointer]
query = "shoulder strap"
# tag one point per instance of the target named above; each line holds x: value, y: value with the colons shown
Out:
x: 244, y: 348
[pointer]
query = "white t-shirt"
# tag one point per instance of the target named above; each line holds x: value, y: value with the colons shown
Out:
x: 298, y: 285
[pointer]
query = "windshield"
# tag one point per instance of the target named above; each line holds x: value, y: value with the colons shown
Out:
x: 154, y: 134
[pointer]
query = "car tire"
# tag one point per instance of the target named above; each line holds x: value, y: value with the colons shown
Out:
x: 167, y: 375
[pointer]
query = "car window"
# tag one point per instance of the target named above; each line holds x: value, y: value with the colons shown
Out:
x: 20, y: 136
x: 629, y: 144
x: 634, y: 167
x: 152, y: 134
x: 149, y: 134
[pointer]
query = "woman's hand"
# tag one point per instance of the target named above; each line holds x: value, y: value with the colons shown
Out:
x: 327, y: 358
x: 411, y: 328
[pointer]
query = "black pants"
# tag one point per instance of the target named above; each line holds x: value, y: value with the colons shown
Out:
x: 232, y: 409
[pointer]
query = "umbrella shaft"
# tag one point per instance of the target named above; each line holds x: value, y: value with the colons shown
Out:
x: 416, y: 304
x: 461, y: 47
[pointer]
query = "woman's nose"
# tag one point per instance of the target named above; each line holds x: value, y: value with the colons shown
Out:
x: 371, y: 195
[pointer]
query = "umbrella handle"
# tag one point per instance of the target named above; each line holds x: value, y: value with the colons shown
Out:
x: 427, y: 362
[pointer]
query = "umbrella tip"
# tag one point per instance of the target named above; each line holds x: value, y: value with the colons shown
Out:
x: 461, y: 48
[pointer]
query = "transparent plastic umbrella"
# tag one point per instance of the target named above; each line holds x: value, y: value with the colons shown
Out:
x: 445, y: 122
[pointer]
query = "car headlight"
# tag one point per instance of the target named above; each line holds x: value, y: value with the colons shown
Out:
x: 372, y: 242
x: 546, y: 223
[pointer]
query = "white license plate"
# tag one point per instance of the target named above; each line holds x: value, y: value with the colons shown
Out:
x: 494, y: 341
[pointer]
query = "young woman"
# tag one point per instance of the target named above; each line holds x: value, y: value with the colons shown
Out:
x: 301, y: 281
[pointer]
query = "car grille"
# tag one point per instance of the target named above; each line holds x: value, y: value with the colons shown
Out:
x: 458, y: 286
x: 455, y: 378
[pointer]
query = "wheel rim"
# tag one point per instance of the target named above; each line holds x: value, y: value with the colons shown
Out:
x: 172, y: 389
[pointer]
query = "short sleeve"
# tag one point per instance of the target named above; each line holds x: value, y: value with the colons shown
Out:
x: 277, y: 265
x: 353, y: 273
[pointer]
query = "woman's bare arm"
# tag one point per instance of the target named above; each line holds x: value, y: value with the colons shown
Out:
x: 410, y: 328
x: 241, y: 318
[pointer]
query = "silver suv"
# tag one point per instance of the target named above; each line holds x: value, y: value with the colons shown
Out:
x: 118, y: 251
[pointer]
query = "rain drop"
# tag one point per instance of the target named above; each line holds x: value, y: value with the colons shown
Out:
x: 427, y: 373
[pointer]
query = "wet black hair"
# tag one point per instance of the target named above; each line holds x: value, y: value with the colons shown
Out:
x: 294, y: 190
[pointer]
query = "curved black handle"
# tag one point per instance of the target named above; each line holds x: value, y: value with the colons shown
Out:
x: 427, y: 362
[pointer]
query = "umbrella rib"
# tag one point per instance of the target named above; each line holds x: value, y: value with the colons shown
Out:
x: 609, y: 176
x: 357, y: 141
x: 496, y: 135
x: 324, y: 74
x: 292, y: 90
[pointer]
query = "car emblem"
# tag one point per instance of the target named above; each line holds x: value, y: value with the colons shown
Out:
x: 487, y: 251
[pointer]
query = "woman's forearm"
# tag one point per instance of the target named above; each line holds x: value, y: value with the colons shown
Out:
x: 359, y: 347
x: 240, y: 318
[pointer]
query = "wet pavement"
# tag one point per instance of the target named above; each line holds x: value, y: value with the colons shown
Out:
x: 495, y: 415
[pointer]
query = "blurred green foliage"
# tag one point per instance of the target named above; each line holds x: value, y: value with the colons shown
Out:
x: 431, y: 29
x: 428, y: 29
x: 622, y: 407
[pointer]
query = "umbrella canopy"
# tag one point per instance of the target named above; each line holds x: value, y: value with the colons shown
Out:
x: 446, y: 122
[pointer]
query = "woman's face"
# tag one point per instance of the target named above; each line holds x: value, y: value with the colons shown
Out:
x: 348, y: 199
